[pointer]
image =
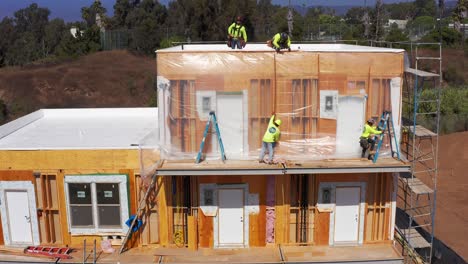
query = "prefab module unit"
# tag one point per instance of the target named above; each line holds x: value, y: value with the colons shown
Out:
x: 70, y: 174
x: 322, y: 193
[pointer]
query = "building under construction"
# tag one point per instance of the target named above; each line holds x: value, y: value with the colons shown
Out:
x: 318, y: 202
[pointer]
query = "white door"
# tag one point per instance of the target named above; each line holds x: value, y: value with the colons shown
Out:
x: 19, y: 218
x: 347, y: 214
x: 231, y: 217
x: 229, y: 114
x: 350, y: 123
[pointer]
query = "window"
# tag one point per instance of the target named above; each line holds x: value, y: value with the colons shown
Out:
x: 182, y: 114
x: 303, y: 119
x: 97, y: 203
x: 380, y: 97
x: 261, y: 102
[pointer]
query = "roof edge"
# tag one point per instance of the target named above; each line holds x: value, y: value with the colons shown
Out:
x: 19, y: 123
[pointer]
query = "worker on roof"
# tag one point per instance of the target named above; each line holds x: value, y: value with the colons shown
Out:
x: 270, y: 138
x: 237, y: 37
x: 368, y: 138
x: 280, y: 41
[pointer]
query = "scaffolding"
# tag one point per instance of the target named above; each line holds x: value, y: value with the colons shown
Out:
x: 417, y: 192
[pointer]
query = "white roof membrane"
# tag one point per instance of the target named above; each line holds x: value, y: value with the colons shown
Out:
x: 91, y: 128
x: 294, y: 47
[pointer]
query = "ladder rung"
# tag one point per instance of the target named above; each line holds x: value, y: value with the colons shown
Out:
x: 428, y: 113
x: 420, y: 215
x: 428, y: 101
x: 416, y: 226
x: 428, y: 58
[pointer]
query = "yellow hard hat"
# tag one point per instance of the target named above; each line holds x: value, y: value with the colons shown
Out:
x: 278, y: 122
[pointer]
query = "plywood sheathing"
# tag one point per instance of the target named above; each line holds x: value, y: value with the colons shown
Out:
x: 77, y: 160
x: 234, y: 72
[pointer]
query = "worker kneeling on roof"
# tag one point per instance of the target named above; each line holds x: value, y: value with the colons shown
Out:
x: 280, y: 41
x: 368, y: 138
x: 270, y: 139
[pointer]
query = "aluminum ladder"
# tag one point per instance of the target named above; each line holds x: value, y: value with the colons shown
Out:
x: 386, y: 126
x: 213, y: 119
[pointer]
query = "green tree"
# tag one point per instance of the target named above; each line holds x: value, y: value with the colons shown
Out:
x: 403, y: 10
x: 425, y: 8
x: 32, y: 19
x: 89, y: 13
x: 53, y: 34
x: 449, y: 36
x: 147, y: 21
x: 24, y: 49
x: 121, y: 10
x: 395, y: 34
x: 8, y: 33
x: 378, y: 18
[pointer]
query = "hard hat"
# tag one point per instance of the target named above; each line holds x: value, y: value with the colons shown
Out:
x: 284, y: 35
x: 278, y: 122
x: 371, y: 120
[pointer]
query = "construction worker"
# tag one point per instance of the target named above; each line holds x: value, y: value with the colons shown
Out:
x: 367, y: 138
x: 270, y: 138
x: 237, y: 37
x: 280, y: 41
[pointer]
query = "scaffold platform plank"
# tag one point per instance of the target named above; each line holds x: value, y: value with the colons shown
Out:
x: 418, y: 187
x: 421, y: 131
x: 415, y: 239
x: 421, y: 73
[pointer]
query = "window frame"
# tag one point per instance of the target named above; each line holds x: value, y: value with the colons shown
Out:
x: 121, y: 180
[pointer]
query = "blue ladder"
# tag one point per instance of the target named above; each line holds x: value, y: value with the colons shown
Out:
x: 386, y: 126
x: 220, y: 142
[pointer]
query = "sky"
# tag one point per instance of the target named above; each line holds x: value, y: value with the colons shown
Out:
x: 69, y: 10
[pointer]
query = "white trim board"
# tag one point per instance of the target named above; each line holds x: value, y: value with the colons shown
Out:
x: 331, y: 206
x: 22, y: 186
x: 213, y: 209
x: 124, y: 211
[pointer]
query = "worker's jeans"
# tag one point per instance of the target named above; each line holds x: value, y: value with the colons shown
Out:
x: 365, y: 142
x: 235, y: 42
x: 270, y: 146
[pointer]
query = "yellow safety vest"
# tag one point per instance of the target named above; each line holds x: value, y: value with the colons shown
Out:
x: 272, y: 133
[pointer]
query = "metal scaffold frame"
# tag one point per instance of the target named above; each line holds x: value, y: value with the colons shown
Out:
x: 420, y: 142
x: 421, y: 120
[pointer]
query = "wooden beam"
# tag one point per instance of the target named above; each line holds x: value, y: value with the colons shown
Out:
x: 192, y: 232
x: 66, y: 237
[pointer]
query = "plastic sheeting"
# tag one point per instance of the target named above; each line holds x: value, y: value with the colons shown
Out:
x: 323, y: 99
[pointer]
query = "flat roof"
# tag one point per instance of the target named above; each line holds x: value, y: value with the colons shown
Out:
x: 252, y: 167
x: 85, y: 128
x: 257, y: 47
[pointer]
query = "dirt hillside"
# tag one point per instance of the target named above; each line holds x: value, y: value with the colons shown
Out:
x: 451, y: 223
x: 103, y: 79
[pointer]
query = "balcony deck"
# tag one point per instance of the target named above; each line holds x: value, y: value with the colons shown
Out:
x: 251, y: 167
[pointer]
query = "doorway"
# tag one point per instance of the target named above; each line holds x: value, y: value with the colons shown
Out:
x: 349, y: 125
x: 347, y: 215
x: 18, y: 206
x: 230, y: 116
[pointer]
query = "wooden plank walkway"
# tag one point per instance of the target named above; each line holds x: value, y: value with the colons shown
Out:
x: 417, y: 186
x: 415, y: 239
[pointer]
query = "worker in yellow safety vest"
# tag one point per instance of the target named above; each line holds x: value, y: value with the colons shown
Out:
x: 368, y: 138
x: 270, y: 139
x: 280, y: 41
x: 237, y: 37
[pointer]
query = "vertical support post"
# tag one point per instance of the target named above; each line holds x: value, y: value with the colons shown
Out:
x: 94, y: 252
x: 84, y: 251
